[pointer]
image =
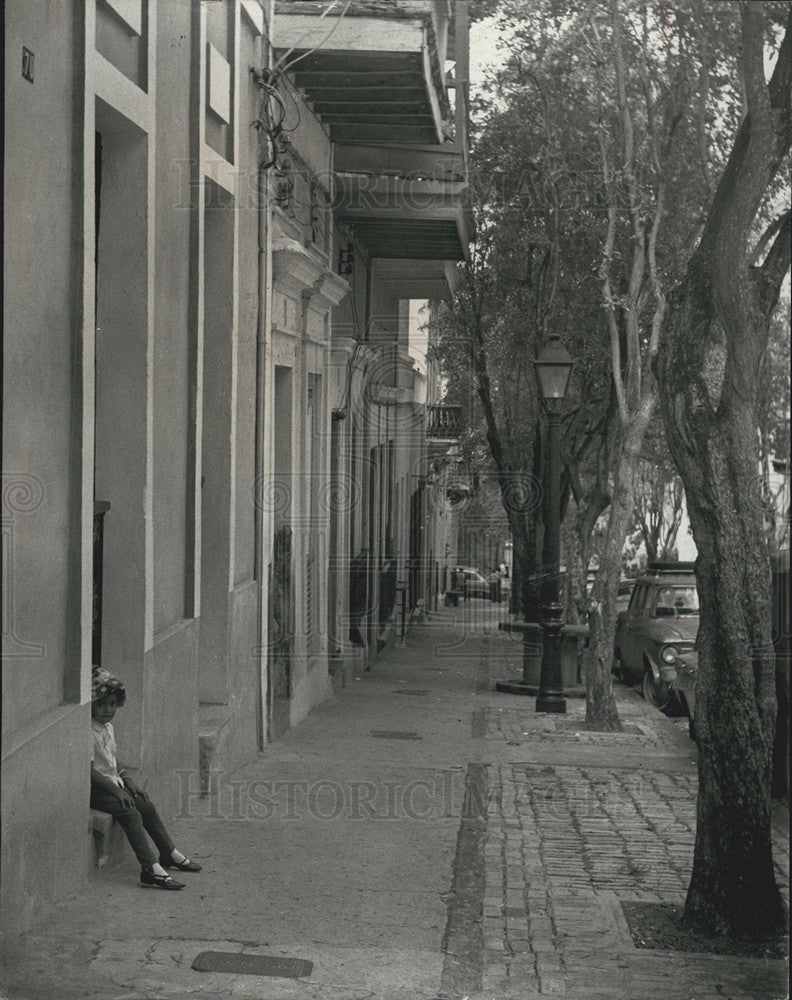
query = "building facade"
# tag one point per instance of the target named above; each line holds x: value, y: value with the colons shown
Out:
x: 214, y: 434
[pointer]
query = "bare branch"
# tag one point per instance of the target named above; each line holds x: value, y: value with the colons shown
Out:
x: 756, y: 93
x: 660, y: 299
x: 628, y: 147
x: 610, y: 238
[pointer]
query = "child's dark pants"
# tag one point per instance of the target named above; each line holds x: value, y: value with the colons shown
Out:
x: 135, y: 822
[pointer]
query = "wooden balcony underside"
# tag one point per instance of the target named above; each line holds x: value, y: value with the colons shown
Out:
x: 375, y: 79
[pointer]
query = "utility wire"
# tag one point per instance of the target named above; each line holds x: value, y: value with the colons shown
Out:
x: 310, y: 52
x: 296, y: 99
x: 277, y: 68
x: 269, y: 81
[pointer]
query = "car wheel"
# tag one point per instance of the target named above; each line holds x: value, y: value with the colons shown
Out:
x: 655, y: 692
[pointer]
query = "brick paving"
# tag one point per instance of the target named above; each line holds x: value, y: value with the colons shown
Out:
x: 566, y: 844
x: 514, y: 725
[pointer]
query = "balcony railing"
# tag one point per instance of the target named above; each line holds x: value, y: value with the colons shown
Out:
x: 443, y: 423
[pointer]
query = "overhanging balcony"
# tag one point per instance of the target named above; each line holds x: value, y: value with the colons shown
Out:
x: 376, y: 77
x: 377, y: 74
x: 403, y: 217
x: 417, y: 279
x: 409, y: 208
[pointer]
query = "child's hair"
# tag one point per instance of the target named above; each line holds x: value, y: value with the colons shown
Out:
x: 104, y: 684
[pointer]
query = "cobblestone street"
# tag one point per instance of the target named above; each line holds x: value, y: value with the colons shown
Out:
x: 567, y: 843
x: 564, y: 847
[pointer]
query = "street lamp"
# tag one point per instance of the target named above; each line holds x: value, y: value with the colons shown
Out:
x: 553, y: 368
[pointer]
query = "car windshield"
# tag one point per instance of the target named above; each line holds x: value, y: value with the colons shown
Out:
x: 676, y: 601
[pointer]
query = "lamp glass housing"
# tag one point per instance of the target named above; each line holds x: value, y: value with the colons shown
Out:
x: 553, y: 369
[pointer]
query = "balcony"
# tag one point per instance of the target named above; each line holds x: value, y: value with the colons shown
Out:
x: 376, y: 74
x: 405, y: 217
x: 376, y: 78
x: 409, y: 207
x: 443, y: 424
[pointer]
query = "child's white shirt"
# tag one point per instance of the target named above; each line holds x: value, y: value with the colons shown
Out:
x: 104, y: 751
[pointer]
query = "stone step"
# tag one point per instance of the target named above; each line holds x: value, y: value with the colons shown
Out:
x: 213, y: 732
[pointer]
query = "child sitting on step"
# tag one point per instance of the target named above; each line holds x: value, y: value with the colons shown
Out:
x: 114, y: 792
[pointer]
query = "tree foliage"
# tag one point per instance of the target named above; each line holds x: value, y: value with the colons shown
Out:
x: 594, y: 117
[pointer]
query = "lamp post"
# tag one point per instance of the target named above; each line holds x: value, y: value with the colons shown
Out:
x: 553, y: 368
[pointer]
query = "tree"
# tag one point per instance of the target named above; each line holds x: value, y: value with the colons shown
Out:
x: 633, y: 299
x: 474, y: 339
x: 709, y: 369
x: 518, y: 285
x: 541, y: 225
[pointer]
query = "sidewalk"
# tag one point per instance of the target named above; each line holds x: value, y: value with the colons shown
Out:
x: 419, y: 837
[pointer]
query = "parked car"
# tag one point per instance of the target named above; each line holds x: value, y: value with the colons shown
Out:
x: 655, y: 636
x: 624, y: 594
x: 476, y: 584
x: 684, y: 688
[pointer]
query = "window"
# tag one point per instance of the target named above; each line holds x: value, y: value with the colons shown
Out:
x: 672, y: 601
x: 637, y: 599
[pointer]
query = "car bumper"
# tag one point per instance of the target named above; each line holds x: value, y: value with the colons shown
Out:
x: 684, y: 685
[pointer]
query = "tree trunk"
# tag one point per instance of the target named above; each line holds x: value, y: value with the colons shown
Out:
x: 714, y: 441
x: 575, y: 597
x: 524, y: 595
x: 585, y: 522
x: 601, y: 712
x: 515, y: 594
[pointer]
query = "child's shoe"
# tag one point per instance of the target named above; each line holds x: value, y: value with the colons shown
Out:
x: 184, y: 866
x: 149, y: 878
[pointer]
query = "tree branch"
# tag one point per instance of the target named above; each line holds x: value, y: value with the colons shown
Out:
x: 757, y: 151
x: 610, y: 238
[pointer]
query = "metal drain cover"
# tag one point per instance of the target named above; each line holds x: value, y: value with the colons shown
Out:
x: 407, y: 691
x: 393, y: 734
x: 252, y: 965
